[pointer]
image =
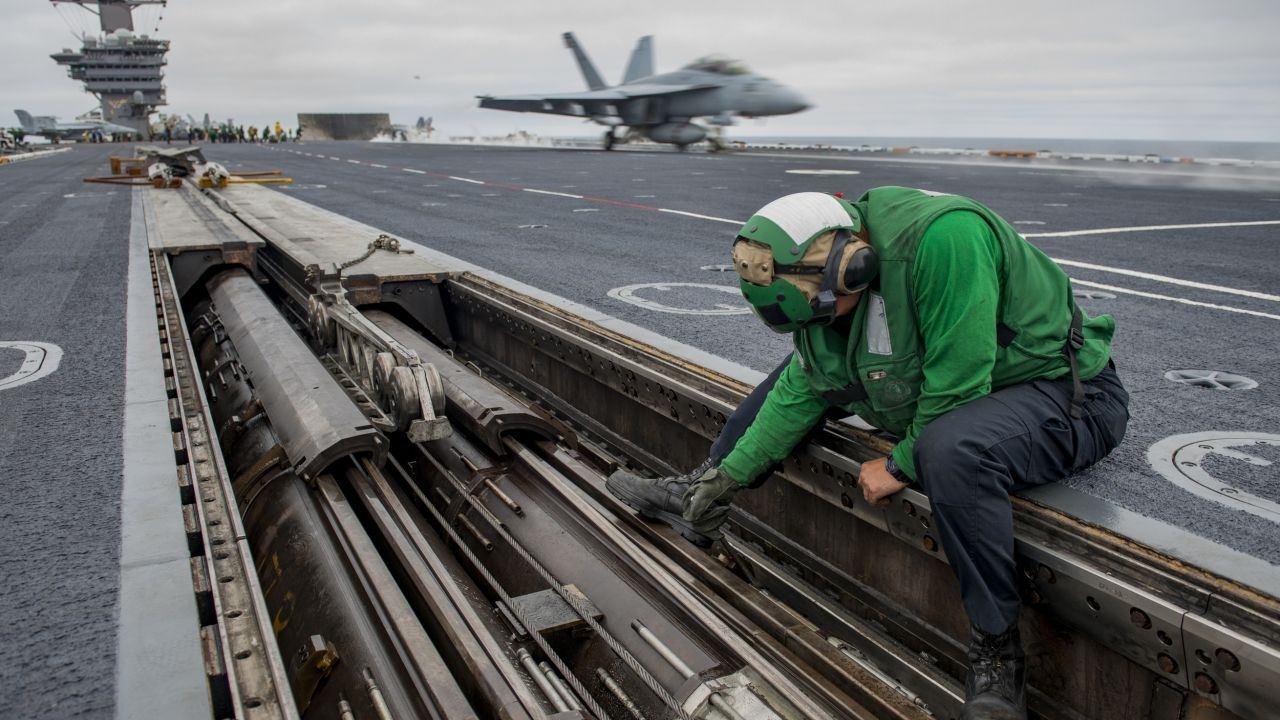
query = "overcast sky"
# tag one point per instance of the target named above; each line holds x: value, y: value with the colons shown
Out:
x: 1155, y: 69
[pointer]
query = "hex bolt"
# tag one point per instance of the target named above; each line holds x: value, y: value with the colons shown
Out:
x: 1167, y: 663
x: 1206, y: 684
x: 1228, y: 659
x: 1139, y: 619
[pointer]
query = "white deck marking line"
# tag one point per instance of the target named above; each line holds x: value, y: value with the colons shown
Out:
x: 1120, y: 271
x: 1170, y: 280
x: 701, y: 217
x: 1184, y: 301
x: 549, y: 192
x: 416, y: 172
x: 1148, y: 228
x: 154, y: 641
x: 384, y: 167
x: 467, y: 180
x: 354, y: 162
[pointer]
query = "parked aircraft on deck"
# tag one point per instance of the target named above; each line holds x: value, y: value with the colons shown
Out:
x: 49, y: 127
x: 662, y: 107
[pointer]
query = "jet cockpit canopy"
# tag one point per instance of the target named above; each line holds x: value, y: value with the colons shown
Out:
x: 719, y: 64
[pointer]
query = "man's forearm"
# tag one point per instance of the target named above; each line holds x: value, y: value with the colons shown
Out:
x: 790, y: 410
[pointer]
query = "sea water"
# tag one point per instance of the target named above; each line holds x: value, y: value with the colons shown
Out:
x: 1246, y: 151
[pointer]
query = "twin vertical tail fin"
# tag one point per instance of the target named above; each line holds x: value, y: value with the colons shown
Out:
x: 24, y: 119
x: 641, y: 63
x: 594, y: 82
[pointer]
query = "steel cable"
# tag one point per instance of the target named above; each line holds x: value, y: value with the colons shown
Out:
x: 619, y: 649
x: 520, y: 615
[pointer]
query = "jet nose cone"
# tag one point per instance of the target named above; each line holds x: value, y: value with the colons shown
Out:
x: 796, y: 102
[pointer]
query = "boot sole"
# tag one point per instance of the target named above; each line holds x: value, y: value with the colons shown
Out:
x: 676, y: 522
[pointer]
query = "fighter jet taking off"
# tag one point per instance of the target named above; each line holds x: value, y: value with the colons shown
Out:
x: 662, y: 107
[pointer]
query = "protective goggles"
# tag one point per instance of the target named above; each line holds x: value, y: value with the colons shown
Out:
x: 790, y: 297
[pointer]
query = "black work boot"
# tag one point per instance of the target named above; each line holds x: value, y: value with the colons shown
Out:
x: 996, y: 686
x: 660, y: 498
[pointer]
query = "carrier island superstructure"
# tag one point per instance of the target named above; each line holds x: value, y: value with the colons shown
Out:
x: 123, y: 69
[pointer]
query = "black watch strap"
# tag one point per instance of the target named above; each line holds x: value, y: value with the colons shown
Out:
x: 892, y: 468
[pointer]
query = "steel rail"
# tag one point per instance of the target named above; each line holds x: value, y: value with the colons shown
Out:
x: 661, y: 412
x: 526, y: 623
x: 245, y: 645
x: 486, y: 659
x: 706, y: 615
x: 1169, y: 628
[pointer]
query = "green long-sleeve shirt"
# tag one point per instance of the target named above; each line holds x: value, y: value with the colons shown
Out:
x: 956, y: 285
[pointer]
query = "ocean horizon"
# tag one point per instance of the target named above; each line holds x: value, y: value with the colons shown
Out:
x: 1200, y: 149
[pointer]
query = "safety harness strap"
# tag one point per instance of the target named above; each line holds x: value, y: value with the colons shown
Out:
x: 1075, y: 341
x: 845, y: 395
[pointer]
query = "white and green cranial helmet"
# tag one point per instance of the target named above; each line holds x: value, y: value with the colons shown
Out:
x: 796, y: 254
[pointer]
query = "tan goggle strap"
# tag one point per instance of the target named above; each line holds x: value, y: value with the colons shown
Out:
x: 754, y: 263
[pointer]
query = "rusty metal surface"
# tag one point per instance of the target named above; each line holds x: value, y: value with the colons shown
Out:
x: 251, y: 679
x: 661, y: 413
x: 857, y: 597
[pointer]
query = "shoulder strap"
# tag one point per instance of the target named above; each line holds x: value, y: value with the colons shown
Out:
x: 1075, y: 341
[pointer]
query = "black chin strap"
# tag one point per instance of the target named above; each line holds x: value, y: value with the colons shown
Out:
x: 824, y: 305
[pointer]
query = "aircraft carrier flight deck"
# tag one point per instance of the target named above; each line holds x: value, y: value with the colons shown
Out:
x: 586, y: 300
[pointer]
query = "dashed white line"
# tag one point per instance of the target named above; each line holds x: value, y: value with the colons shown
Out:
x: 1148, y: 228
x: 415, y: 172
x: 1170, y: 280
x: 466, y: 180
x: 384, y: 167
x: 701, y: 217
x: 354, y: 162
x: 550, y: 192
x: 1120, y: 271
x: 1183, y: 301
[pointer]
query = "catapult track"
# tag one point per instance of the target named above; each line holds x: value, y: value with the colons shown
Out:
x: 395, y: 504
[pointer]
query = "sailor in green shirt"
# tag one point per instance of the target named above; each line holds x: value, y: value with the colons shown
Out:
x: 931, y: 318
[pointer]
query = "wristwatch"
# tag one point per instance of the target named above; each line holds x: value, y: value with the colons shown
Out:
x: 892, y: 468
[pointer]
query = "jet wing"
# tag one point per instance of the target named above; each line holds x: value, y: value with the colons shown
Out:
x: 585, y: 104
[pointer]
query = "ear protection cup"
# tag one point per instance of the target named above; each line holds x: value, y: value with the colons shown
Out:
x: 857, y: 267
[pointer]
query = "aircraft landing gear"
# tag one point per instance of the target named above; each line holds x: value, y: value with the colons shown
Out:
x: 609, y: 139
x: 716, y: 140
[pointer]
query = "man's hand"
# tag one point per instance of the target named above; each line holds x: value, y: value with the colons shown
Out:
x: 876, y: 482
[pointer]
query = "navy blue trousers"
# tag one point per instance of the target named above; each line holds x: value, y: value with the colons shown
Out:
x: 970, y: 460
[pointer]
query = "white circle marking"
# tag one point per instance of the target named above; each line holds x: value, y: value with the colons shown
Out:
x: 627, y: 294
x: 41, y: 359
x: 1178, y: 458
